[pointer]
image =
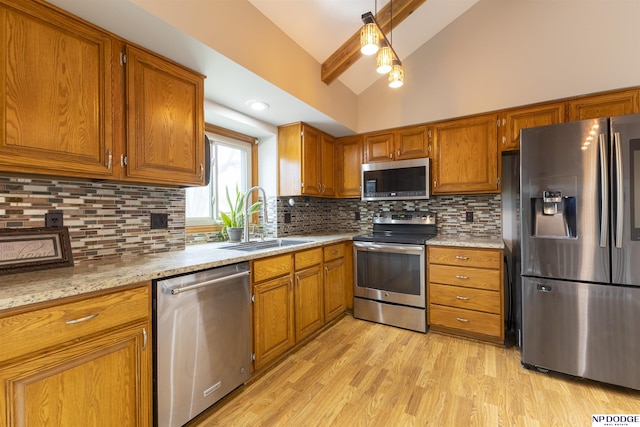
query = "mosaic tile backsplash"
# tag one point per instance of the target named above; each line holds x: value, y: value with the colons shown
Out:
x: 104, y: 220
x: 108, y: 219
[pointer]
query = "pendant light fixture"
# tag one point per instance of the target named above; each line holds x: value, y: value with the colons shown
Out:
x: 369, y: 36
x: 387, y: 60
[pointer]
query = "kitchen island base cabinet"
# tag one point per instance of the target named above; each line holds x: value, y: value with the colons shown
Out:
x: 81, y: 363
x: 465, y: 293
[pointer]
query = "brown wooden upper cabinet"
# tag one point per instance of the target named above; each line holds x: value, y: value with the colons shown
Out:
x: 398, y: 144
x: 465, y: 155
x: 348, y: 161
x: 165, y: 121
x: 512, y: 121
x: 615, y: 103
x: 305, y: 161
x: 55, y: 102
x: 66, y: 95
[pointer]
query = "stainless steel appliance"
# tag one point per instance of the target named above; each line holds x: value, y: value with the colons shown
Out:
x: 397, y: 180
x: 389, y: 267
x: 580, y: 207
x: 201, y: 341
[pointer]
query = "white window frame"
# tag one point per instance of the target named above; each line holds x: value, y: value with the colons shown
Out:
x: 216, y: 140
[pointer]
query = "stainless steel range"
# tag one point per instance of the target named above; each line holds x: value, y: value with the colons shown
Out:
x: 390, y: 269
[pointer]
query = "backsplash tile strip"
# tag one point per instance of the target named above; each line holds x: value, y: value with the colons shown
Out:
x: 104, y: 219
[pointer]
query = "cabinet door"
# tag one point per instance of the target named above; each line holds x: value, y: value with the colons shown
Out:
x: 165, y: 121
x: 378, y: 147
x: 104, y: 381
x: 515, y: 120
x: 273, y: 320
x: 309, y: 297
x: 412, y: 143
x: 605, y: 105
x: 466, y: 155
x: 311, y: 165
x: 334, y: 289
x: 327, y: 149
x: 348, y: 164
x: 55, y: 94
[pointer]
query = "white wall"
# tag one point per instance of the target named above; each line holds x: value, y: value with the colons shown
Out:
x: 505, y: 53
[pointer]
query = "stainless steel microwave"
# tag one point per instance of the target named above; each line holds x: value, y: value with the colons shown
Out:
x: 399, y: 180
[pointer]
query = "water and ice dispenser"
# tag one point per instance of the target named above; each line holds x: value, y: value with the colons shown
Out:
x: 554, y: 215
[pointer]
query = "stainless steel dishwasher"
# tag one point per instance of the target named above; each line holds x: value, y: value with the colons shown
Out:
x: 201, y: 341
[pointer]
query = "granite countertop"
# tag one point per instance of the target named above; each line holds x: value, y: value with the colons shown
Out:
x: 27, y: 288
x: 39, y: 286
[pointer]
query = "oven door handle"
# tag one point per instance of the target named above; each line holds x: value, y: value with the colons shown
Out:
x: 385, y: 247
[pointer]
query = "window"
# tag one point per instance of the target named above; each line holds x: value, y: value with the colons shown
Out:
x: 230, y: 166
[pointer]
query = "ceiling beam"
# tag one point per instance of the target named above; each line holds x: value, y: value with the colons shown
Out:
x: 349, y: 52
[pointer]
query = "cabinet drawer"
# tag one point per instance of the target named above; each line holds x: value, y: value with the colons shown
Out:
x: 269, y: 268
x: 466, y: 320
x: 484, y: 258
x: 304, y: 259
x: 468, y: 298
x: 465, y: 276
x: 333, y: 251
x: 46, y: 327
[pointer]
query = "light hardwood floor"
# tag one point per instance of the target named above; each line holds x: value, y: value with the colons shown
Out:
x: 363, y: 374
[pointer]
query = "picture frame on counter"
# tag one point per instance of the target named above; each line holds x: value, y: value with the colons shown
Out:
x: 31, y: 249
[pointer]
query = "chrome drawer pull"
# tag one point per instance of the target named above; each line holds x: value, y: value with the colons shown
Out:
x: 460, y: 319
x: 82, y: 319
x: 461, y: 277
x: 462, y: 298
x: 463, y: 258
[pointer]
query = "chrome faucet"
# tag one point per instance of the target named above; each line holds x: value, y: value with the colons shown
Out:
x: 246, y: 209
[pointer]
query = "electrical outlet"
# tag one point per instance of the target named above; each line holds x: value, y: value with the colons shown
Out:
x: 469, y: 217
x: 53, y: 219
x: 287, y: 218
x: 357, y: 216
x: 159, y: 221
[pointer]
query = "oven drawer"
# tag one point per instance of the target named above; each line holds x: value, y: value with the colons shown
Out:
x: 465, y: 320
x: 467, y: 298
x: 464, y: 276
x: 483, y: 258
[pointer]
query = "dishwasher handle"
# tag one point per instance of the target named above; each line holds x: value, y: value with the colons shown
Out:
x: 174, y: 290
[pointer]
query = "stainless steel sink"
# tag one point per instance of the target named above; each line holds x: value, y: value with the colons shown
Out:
x: 265, y: 244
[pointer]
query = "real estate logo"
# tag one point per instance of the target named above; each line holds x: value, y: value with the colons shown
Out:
x: 615, y: 420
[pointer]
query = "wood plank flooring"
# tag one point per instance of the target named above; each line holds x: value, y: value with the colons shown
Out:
x: 359, y: 373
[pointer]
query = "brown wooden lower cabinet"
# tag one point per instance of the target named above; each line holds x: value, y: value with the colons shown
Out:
x: 466, y: 295
x: 86, y: 362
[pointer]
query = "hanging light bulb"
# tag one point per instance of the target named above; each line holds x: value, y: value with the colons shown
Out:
x: 396, y: 76
x: 369, y: 39
x: 384, y: 60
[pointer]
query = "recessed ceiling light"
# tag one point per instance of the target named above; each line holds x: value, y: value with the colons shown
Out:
x: 258, y: 105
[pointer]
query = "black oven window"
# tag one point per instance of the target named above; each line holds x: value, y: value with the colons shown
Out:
x: 391, y: 272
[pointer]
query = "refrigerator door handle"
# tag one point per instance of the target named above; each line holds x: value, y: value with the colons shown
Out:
x: 619, y: 191
x: 604, y: 189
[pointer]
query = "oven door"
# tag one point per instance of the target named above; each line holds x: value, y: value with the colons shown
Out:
x: 393, y: 273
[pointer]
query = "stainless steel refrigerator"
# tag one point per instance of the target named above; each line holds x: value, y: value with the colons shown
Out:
x: 580, y: 249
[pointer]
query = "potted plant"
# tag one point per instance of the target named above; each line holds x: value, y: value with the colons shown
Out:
x: 234, y: 220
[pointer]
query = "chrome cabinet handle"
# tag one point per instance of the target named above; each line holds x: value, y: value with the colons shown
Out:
x: 82, y: 319
x: 109, y: 159
x: 334, y: 252
x: 391, y: 155
x: 460, y: 319
x: 123, y: 160
x: 463, y: 258
x: 462, y: 298
x: 201, y: 171
x: 461, y: 277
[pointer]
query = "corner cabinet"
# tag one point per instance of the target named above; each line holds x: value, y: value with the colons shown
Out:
x: 56, y: 113
x: 465, y: 294
x: 348, y: 161
x: 513, y: 121
x: 165, y: 121
x: 305, y: 161
x: 615, y: 103
x: 465, y: 155
x: 84, y: 362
